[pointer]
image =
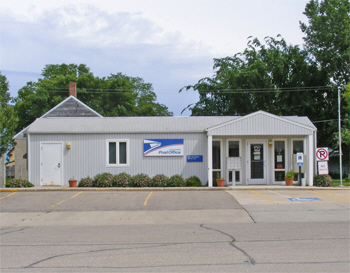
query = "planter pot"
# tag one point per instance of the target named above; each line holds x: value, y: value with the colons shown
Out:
x: 220, y: 182
x: 289, y: 181
x: 72, y: 183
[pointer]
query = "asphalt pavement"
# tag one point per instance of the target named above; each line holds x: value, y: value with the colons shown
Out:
x: 228, y: 230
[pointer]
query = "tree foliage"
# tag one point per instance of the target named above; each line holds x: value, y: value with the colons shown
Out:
x: 8, y: 118
x: 284, y: 79
x: 328, y: 37
x: 271, y: 76
x: 114, y: 95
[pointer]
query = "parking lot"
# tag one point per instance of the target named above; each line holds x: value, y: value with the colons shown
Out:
x: 252, y: 230
x: 151, y: 207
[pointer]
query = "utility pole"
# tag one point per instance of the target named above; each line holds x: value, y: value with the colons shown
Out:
x: 340, y: 151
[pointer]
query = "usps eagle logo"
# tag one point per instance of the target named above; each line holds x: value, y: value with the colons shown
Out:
x: 163, y: 147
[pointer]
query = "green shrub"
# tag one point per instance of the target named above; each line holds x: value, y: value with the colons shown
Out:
x: 103, y: 180
x: 322, y: 180
x: 176, y: 181
x: 122, y: 180
x: 142, y: 180
x: 193, y: 181
x: 86, y: 182
x: 18, y: 183
x: 160, y: 180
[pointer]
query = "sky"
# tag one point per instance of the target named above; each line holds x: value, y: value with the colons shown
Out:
x: 168, y: 43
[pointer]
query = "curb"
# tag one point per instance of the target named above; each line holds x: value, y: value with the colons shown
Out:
x: 240, y: 188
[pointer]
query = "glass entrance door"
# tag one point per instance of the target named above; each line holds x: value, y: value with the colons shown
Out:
x: 257, y: 162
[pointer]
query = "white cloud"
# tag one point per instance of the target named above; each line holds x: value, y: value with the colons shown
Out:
x: 168, y: 43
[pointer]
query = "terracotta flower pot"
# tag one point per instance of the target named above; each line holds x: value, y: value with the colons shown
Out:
x: 72, y: 183
x: 220, y: 182
x: 289, y: 181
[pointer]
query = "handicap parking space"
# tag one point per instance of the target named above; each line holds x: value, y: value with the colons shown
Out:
x: 270, y: 197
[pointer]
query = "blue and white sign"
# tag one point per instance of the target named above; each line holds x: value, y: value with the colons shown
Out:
x: 303, y: 199
x: 300, y: 159
x: 194, y: 158
x: 163, y: 147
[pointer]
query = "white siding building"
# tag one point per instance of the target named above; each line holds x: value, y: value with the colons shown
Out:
x: 72, y: 140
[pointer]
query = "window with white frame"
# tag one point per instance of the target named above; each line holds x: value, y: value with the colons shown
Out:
x: 280, y: 160
x: 233, y: 151
x: 118, y: 152
x: 298, y: 147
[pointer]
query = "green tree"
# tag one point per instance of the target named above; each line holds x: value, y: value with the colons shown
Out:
x: 271, y: 76
x: 328, y: 42
x: 8, y: 118
x: 328, y: 37
x: 115, y: 95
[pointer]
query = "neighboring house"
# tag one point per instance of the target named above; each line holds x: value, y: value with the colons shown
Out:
x: 10, y: 165
x: 72, y: 140
x: 11, y: 156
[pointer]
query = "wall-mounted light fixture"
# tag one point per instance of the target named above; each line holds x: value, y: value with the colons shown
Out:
x: 270, y: 143
x: 68, y: 145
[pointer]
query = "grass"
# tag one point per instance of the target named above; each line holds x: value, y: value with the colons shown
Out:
x: 336, y: 182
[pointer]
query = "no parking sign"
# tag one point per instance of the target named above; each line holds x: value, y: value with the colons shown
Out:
x: 322, y: 154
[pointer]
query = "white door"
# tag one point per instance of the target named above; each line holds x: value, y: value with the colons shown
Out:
x: 257, y: 163
x: 51, y: 164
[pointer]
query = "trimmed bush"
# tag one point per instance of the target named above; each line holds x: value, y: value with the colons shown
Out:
x: 122, y: 180
x: 322, y: 180
x: 160, y: 180
x: 103, y: 180
x: 142, y: 180
x: 193, y: 181
x: 86, y: 182
x: 176, y: 181
x: 18, y: 183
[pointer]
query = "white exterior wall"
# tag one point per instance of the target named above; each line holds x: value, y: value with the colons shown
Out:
x: 270, y: 156
x: 87, y: 156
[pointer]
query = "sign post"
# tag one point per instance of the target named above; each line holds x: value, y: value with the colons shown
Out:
x: 300, y: 162
x: 322, y: 157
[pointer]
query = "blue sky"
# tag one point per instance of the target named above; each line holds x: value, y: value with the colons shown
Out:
x: 169, y: 43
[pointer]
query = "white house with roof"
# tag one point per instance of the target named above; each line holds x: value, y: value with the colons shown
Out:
x: 72, y: 140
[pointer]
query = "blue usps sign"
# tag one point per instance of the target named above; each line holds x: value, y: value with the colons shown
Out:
x: 194, y: 158
x: 304, y: 199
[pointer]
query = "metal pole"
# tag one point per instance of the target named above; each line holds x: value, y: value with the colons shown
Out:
x: 340, y: 151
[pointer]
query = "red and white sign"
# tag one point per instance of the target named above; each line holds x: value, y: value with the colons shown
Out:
x: 322, y: 167
x: 322, y: 154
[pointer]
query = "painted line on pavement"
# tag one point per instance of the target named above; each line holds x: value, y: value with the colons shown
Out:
x: 330, y: 196
x: 8, y: 195
x: 283, y: 195
x: 263, y: 196
x: 145, y: 203
x: 67, y: 199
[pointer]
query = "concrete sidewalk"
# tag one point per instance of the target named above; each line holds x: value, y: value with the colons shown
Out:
x: 263, y: 187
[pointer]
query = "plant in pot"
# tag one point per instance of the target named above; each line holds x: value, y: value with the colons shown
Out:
x: 220, y: 181
x: 72, y: 182
x: 289, y: 178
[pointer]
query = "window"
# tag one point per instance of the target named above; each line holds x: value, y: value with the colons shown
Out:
x: 216, y: 155
x: 117, y: 152
x: 233, y: 148
x: 298, y: 147
x: 233, y: 161
x: 280, y: 160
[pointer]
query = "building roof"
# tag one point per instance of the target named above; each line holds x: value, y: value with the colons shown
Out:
x: 125, y: 124
x: 69, y: 107
x: 98, y: 125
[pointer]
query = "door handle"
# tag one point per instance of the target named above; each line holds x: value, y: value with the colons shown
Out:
x: 59, y: 165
